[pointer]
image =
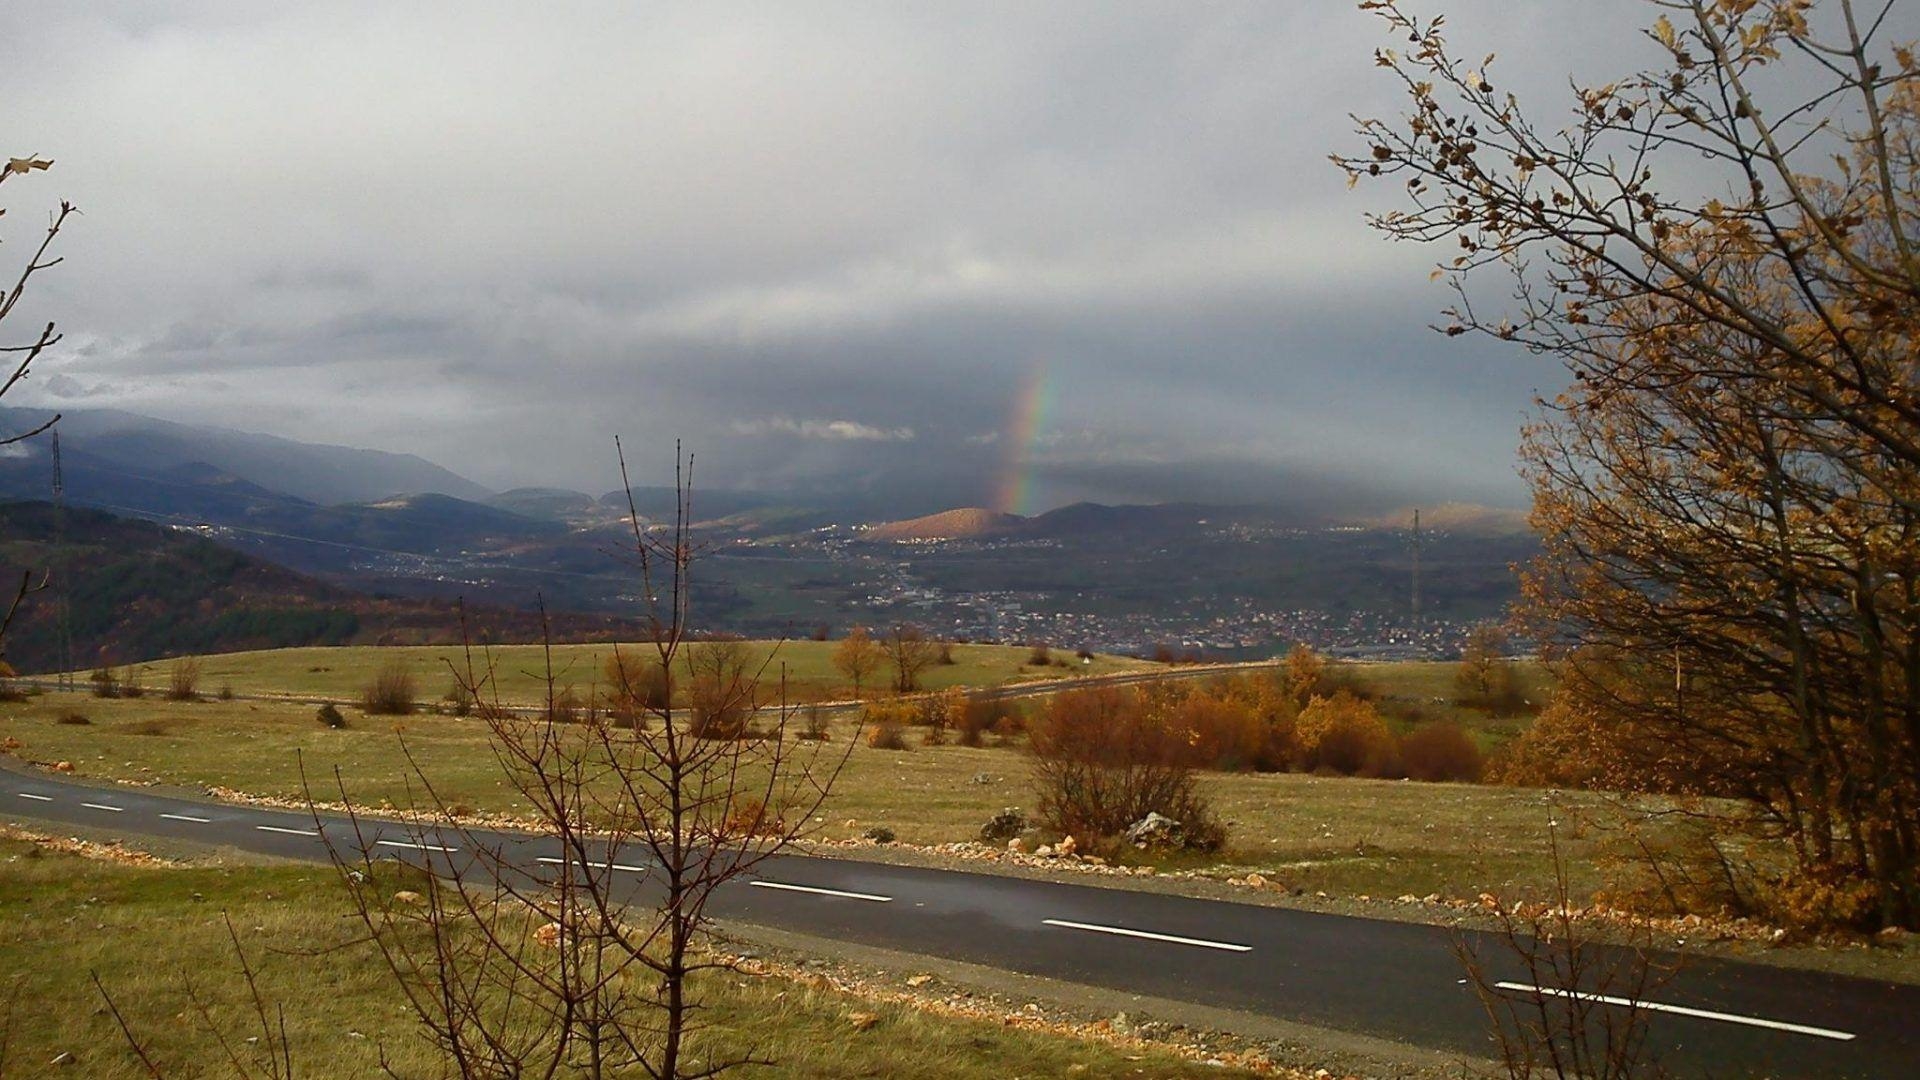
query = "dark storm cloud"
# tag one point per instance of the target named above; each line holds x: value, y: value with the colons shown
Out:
x: 824, y: 244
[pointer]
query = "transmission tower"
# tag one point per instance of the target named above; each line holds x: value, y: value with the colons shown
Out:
x: 62, y: 608
x: 1416, y: 568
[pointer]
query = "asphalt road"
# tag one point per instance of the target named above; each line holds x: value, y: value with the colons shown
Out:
x: 1388, y: 980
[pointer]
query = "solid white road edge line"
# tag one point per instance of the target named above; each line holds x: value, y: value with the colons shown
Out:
x: 821, y: 892
x: 187, y: 817
x: 1224, y: 946
x: 1682, y: 1010
x: 289, y: 832
x: 416, y: 847
x: 597, y: 865
x: 35, y: 798
x: 103, y: 806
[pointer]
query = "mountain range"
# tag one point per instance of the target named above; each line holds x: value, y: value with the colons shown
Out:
x: 395, y: 528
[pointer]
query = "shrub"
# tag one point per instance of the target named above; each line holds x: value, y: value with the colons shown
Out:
x: 104, y: 683
x: 946, y: 653
x: 74, y: 718
x: 330, y: 716
x: 636, y: 685
x: 129, y: 688
x: 1084, y: 655
x: 1343, y: 734
x: 977, y: 717
x: 1441, y: 751
x: 1039, y: 655
x: 886, y: 735
x: 813, y: 723
x: 183, y: 680
x: 565, y: 707
x: 226, y: 691
x: 1102, y: 762
x: 720, y: 690
x: 1221, y: 733
x: 390, y: 693
x: 458, y: 699
x: 747, y: 816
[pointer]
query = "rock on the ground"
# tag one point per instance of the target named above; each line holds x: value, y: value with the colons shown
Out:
x: 879, y: 834
x: 1004, y: 825
x: 1155, y: 830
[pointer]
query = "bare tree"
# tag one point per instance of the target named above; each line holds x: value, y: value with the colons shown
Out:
x: 910, y: 652
x: 20, y: 359
x: 585, y: 964
x: 1574, y: 1008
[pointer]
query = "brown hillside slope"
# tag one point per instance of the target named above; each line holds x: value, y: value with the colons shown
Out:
x: 966, y: 522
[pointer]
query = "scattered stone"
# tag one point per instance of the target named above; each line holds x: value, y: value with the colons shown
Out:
x: 879, y: 834
x: 1123, y: 1025
x: 1044, y: 851
x: 1065, y: 847
x: 983, y: 778
x: 63, y: 766
x: 1155, y: 830
x: 1004, y: 825
x: 919, y: 981
x: 861, y: 1021
x: 548, y: 935
x: 407, y: 896
x: 1016, y: 845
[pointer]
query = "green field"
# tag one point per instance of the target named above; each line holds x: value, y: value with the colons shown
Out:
x: 341, y: 673
x: 1343, y: 836
x: 145, y: 931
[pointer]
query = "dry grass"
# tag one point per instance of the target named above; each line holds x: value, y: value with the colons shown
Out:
x: 342, y: 673
x: 144, y: 929
x: 1343, y: 836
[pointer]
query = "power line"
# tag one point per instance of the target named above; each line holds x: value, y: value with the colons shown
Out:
x: 62, y: 598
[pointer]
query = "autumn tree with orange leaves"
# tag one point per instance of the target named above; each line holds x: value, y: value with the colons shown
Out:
x: 1723, y: 251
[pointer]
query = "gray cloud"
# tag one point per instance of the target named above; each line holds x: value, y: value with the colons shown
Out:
x: 833, y: 430
x: 827, y: 245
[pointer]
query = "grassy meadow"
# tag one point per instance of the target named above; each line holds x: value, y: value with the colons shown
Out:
x: 1334, y: 834
x: 145, y: 930
x: 340, y: 673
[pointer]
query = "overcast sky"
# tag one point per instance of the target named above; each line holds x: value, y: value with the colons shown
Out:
x: 826, y: 245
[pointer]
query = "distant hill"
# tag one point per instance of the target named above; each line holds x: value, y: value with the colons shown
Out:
x: 1080, y: 520
x: 1085, y: 519
x: 141, y: 591
x: 965, y: 523
x: 550, y: 504
x: 143, y: 447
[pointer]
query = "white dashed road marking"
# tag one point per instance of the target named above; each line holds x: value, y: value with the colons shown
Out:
x: 597, y: 865
x: 289, y: 832
x: 821, y: 892
x: 416, y: 847
x: 102, y: 806
x: 187, y: 817
x: 35, y: 798
x: 1682, y: 1010
x: 1224, y: 946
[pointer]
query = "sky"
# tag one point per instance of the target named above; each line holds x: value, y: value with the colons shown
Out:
x: 947, y: 254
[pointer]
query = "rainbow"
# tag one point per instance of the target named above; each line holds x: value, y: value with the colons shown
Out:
x: 1029, y: 415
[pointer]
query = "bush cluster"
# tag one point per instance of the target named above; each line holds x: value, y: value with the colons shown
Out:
x: 390, y: 692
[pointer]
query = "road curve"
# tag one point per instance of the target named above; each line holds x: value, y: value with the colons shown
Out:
x: 1388, y: 980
